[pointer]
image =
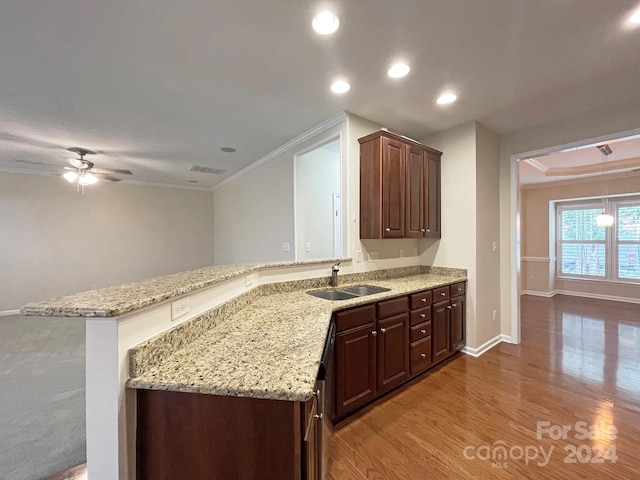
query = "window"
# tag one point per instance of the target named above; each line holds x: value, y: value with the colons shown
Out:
x: 588, y: 251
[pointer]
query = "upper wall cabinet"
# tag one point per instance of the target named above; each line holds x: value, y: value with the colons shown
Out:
x: 399, y: 187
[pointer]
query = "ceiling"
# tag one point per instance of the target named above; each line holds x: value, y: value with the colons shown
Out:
x: 583, y: 162
x: 154, y: 87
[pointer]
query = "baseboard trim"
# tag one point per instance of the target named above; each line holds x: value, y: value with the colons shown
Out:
x: 598, y: 296
x: 507, y: 339
x: 488, y: 345
x: 570, y: 293
x: 536, y: 293
x: 8, y: 313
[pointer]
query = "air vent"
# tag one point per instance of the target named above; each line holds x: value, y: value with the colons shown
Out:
x: 202, y: 169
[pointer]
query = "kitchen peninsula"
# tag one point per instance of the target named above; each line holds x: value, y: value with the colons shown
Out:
x: 251, y: 331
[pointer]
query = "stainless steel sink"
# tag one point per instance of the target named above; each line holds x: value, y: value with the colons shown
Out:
x: 332, y: 294
x: 363, y: 290
x: 348, y: 292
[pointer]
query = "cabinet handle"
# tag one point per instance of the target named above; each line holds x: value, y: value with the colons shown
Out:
x: 428, y: 229
x: 449, y: 307
x: 423, y: 300
x: 454, y: 304
x: 319, y: 416
x: 423, y: 355
x: 423, y: 315
x: 387, y: 229
x: 442, y: 294
x: 383, y: 330
x: 422, y: 230
x: 374, y: 333
x: 422, y: 330
x: 316, y: 393
x: 459, y: 289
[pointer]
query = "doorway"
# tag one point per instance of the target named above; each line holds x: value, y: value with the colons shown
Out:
x: 318, y: 211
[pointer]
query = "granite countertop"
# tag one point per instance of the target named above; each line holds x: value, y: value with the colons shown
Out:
x: 119, y: 299
x: 270, y: 348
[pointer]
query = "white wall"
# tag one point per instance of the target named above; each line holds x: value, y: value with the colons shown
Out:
x: 457, y: 247
x: 253, y: 213
x: 573, y: 130
x: 487, y: 232
x: 55, y: 241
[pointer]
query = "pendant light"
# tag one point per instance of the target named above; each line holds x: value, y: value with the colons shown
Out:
x: 605, y: 219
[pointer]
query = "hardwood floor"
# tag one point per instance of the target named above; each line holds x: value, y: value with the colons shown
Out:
x: 578, y: 366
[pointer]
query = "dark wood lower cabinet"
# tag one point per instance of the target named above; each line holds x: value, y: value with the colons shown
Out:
x: 356, y: 374
x: 457, y: 313
x: 393, y: 352
x: 197, y: 437
x: 441, y: 331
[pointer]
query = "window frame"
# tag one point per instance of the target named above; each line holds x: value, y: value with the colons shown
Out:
x: 611, y: 242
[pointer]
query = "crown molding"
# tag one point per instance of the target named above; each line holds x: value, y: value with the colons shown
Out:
x: 322, y: 127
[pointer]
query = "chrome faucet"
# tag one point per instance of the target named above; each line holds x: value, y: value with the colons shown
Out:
x: 334, y: 275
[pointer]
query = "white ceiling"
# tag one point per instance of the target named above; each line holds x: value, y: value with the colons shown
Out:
x: 583, y: 162
x: 156, y: 86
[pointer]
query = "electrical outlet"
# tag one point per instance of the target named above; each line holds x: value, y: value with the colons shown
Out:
x: 285, y: 247
x: 307, y: 246
x: 495, y: 315
x: 373, y: 255
x: 179, y: 308
x: 495, y: 246
x: 532, y: 278
x: 401, y: 253
x: 358, y: 256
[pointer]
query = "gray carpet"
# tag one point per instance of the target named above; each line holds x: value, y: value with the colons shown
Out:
x: 42, y: 404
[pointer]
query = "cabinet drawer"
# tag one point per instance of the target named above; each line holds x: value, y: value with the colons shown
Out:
x: 420, y: 355
x: 355, y: 317
x: 422, y: 299
x: 457, y: 289
x: 420, y: 331
x: 392, y: 307
x: 421, y: 316
x: 441, y: 293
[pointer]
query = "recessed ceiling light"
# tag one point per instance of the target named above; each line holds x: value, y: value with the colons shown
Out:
x: 399, y: 70
x: 228, y: 149
x: 325, y: 23
x: 446, y: 98
x: 340, y: 86
x: 635, y: 18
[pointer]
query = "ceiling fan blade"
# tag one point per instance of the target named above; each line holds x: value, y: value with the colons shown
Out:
x: 108, y: 178
x: 115, y: 171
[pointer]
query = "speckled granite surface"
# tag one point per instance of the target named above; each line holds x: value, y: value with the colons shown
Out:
x: 271, y: 348
x: 120, y: 299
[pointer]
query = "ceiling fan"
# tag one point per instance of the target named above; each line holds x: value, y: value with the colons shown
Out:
x: 82, y: 172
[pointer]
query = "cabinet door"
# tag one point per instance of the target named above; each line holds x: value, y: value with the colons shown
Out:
x: 393, y: 188
x: 355, y: 368
x: 393, y: 351
x: 441, y: 331
x: 415, y: 181
x: 432, y: 196
x: 457, y: 313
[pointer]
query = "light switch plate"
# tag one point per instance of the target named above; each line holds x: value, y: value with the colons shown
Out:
x: 358, y: 256
x: 179, y: 308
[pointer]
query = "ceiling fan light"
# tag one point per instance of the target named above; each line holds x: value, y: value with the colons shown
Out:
x: 87, y: 179
x: 604, y: 220
x: 70, y: 176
